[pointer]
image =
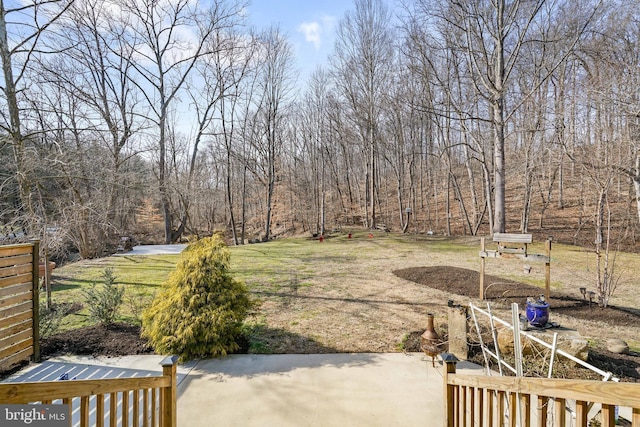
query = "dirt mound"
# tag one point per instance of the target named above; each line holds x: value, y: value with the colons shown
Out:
x: 116, y: 340
x: 120, y: 339
x: 464, y: 282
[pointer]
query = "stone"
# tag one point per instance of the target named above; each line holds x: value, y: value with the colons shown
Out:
x: 617, y: 346
x: 575, y: 346
x: 505, y: 342
x: 569, y: 341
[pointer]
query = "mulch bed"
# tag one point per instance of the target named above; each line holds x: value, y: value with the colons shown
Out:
x: 115, y: 340
x: 465, y: 282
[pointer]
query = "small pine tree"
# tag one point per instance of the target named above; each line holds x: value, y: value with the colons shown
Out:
x: 199, y: 312
x: 104, y: 302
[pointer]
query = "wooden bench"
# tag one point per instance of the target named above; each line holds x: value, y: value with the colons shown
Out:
x: 512, y: 243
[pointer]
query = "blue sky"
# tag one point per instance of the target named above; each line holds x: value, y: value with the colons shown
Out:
x: 309, y: 25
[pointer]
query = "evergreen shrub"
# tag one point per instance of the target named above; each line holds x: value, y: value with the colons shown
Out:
x: 199, y: 312
x: 104, y: 301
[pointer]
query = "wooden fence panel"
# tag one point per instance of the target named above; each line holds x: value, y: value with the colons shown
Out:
x: 19, y: 334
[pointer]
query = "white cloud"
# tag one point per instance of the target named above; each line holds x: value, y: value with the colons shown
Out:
x: 312, y: 33
x: 319, y: 32
x: 329, y: 22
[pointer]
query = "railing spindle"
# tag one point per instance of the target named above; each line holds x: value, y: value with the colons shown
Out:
x: 525, y: 402
x: 502, y: 397
x: 113, y: 409
x: 513, y: 401
x: 145, y: 407
x: 542, y: 409
x: 490, y: 412
x: 636, y: 417
x: 582, y: 410
x: 472, y: 406
x: 100, y: 410
x: 560, y: 412
x: 608, y: 413
x: 480, y: 394
x: 67, y: 401
x: 125, y: 409
x: 84, y: 411
x: 464, y: 406
x: 154, y: 407
x: 136, y: 408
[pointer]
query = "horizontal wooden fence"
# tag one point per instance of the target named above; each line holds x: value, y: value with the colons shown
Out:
x: 479, y: 400
x: 19, y: 336
x: 139, y: 401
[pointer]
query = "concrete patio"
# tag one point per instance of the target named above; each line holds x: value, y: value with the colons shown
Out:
x: 367, y: 389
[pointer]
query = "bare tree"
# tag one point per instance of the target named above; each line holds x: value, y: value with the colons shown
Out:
x: 91, y: 70
x: 315, y: 141
x: 274, y: 86
x: 167, y: 39
x: 494, y: 37
x: 215, y: 91
x: 621, y: 53
x: 362, y: 64
x: 22, y: 29
x: 235, y: 72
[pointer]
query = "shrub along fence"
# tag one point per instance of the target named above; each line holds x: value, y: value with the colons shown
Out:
x: 19, y: 335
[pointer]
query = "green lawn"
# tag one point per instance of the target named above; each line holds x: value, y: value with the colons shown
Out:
x: 142, y: 277
x: 271, y: 266
x: 275, y: 270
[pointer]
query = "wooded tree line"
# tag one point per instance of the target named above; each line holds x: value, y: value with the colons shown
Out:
x: 435, y: 116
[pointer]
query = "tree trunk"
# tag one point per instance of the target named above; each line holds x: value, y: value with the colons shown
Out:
x: 476, y: 217
x: 526, y: 203
x: 162, y: 178
x: 497, y: 104
x: 448, y: 205
x: 271, y: 179
x: 16, y: 137
x: 499, y: 224
x: 243, y: 209
x: 488, y: 195
x: 561, y: 184
x: 636, y: 183
x: 372, y: 177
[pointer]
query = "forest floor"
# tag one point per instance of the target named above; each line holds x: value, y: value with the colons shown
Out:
x: 372, y: 295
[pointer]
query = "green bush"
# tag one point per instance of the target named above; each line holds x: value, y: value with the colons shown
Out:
x: 199, y: 312
x: 49, y: 320
x: 137, y: 302
x: 104, y: 301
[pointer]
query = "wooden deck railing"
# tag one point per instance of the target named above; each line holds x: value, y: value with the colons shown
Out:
x: 478, y: 400
x: 142, y: 401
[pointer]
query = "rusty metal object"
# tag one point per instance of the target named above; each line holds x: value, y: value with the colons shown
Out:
x: 430, y: 341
